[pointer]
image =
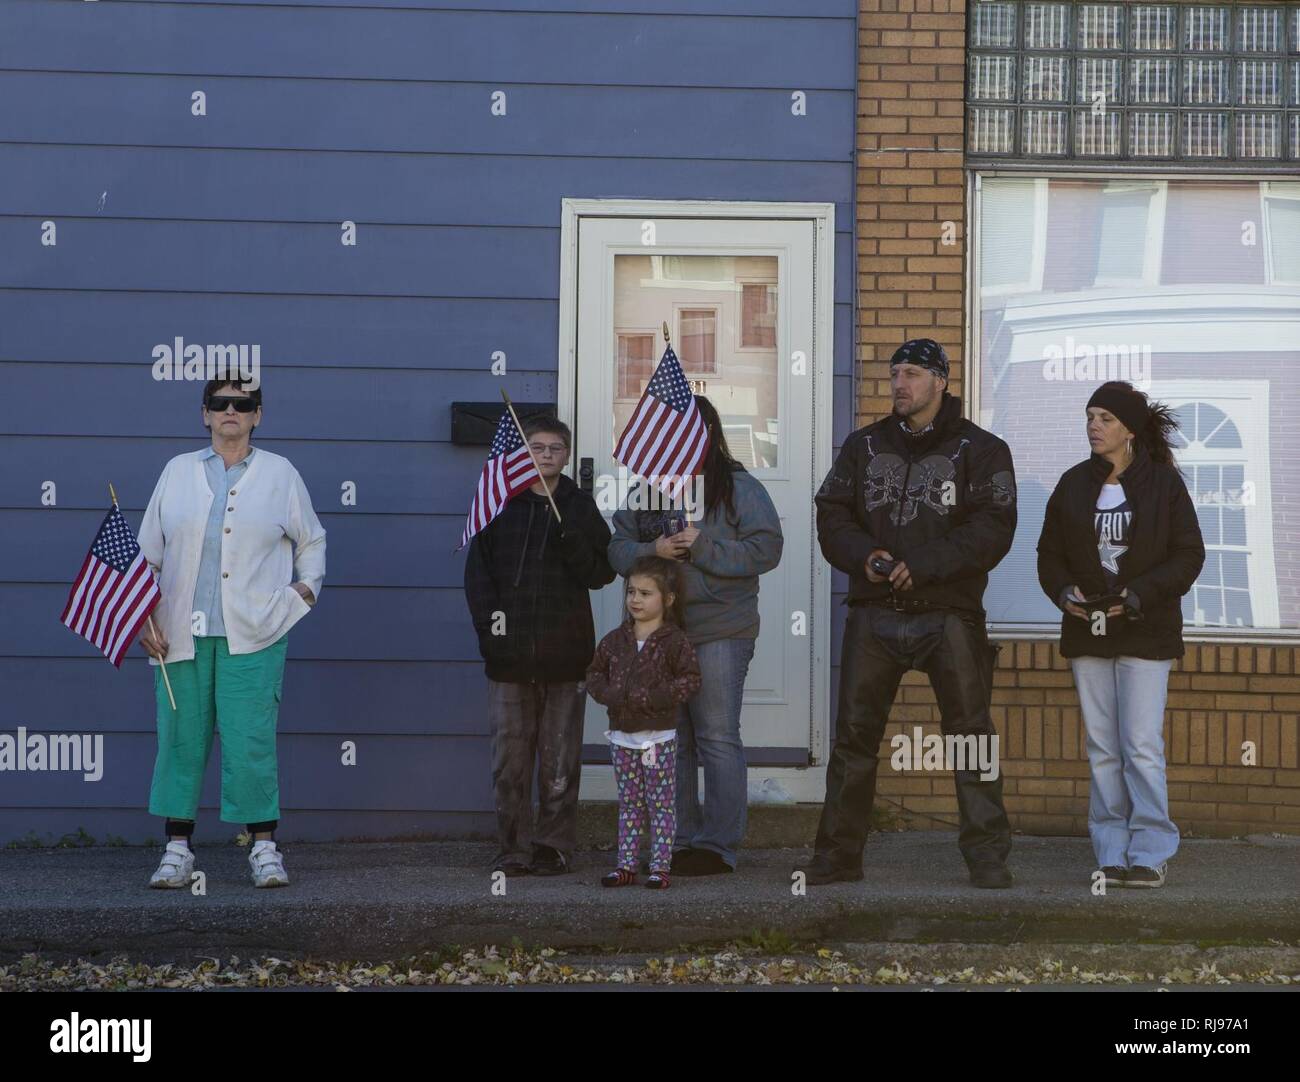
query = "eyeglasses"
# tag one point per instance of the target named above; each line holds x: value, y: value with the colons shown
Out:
x: 219, y: 403
x: 542, y: 448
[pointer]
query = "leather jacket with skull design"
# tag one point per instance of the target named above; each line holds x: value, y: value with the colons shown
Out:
x: 943, y: 500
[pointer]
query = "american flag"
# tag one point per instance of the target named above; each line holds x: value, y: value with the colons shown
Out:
x: 666, y: 439
x: 115, y: 590
x: 508, y: 470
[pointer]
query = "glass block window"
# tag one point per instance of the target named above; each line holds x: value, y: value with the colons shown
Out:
x: 1192, y: 82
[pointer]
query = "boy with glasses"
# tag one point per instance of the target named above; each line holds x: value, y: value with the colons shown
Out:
x: 527, y: 580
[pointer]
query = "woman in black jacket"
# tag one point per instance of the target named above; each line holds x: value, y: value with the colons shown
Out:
x: 1120, y: 547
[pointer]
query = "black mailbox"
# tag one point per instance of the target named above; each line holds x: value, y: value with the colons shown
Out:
x: 476, y: 422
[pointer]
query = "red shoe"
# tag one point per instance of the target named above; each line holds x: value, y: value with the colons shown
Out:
x: 619, y: 877
x: 658, y: 881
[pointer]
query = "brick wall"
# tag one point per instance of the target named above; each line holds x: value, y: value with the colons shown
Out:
x: 910, y: 191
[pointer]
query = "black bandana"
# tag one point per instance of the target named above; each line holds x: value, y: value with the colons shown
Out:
x: 923, y: 352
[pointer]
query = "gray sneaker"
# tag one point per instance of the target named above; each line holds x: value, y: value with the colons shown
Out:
x: 175, y: 869
x: 1142, y: 876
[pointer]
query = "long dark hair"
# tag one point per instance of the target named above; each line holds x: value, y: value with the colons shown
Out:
x: 667, y: 575
x: 719, y: 484
x: 1156, y: 434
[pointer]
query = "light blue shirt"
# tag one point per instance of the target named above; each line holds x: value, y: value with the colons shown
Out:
x: 207, y: 589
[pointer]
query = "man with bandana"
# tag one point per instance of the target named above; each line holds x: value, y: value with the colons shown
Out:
x: 917, y: 510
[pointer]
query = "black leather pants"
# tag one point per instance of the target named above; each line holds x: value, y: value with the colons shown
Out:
x: 880, y: 646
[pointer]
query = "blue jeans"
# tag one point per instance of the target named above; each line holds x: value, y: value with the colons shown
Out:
x: 708, y: 733
x: 1123, y: 704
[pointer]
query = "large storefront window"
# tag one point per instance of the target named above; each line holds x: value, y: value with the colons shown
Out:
x: 1189, y: 289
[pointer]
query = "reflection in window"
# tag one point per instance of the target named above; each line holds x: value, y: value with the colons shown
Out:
x: 723, y: 314
x: 1207, y: 442
x: 636, y: 363
x: 758, y: 315
x: 699, y: 339
x: 1188, y: 288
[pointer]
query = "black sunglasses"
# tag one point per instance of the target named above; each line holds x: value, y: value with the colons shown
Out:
x: 218, y: 404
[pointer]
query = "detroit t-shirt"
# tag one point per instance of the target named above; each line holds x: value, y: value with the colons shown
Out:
x: 1112, y: 518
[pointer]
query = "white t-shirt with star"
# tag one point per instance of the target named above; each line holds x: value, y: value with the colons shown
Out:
x: 1112, y: 519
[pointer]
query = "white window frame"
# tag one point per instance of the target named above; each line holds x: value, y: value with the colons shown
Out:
x: 1284, y: 190
x: 1155, y: 231
x: 974, y: 365
x: 1245, y: 403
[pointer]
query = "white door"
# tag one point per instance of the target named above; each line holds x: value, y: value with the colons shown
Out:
x: 738, y: 298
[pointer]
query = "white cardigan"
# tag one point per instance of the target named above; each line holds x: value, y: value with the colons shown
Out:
x: 268, y: 516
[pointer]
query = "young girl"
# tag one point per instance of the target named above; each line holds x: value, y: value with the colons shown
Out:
x: 642, y: 672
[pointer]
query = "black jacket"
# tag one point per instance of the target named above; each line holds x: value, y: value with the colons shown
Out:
x: 943, y: 501
x: 1164, y: 556
x: 524, y: 566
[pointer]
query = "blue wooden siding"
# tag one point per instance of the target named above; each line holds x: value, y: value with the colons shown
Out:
x: 225, y: 229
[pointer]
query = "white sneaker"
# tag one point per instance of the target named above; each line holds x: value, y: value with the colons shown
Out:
x: 268, y: 865
x: 176, y: 868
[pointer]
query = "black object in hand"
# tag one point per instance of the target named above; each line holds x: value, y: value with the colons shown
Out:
x: 675, y: 523
x: 881, y: 566
x: 1101, y: 604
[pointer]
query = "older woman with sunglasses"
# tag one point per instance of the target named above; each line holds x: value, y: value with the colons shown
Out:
x: 241, y: 556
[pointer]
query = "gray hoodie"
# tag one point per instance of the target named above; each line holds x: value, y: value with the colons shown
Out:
x: 721, y: 576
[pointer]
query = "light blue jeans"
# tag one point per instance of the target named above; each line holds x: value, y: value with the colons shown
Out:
x: 708, y: 734
x: 1123, y: 704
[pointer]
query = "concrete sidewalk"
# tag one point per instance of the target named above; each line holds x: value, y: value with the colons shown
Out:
x: 355, y: 900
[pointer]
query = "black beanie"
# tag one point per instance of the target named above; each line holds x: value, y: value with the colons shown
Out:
x: 1130, y: 406
x: 924, y: 352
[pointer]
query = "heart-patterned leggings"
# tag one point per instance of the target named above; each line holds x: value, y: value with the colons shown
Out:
x: 647, y: 793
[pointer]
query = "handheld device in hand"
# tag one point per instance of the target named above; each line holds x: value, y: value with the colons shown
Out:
x: 1104, y: 603
x: 881, y: 566
x: 675, y: 522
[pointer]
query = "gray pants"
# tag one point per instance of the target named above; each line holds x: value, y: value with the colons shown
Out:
x: 536, y: 727
x: 1123, y: 705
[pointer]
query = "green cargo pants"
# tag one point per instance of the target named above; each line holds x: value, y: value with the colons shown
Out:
x: 239, y: 694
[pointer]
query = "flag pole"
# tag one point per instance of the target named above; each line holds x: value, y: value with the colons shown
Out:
x: 153, y: 630
x: 515, y: 417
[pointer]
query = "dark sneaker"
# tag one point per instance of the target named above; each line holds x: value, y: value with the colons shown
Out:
x: 513, y: 868
x: 681, y: 859
x: 701, y: 862
x: 619, y: 877
x: 1142, y: 876
x: 820, y: 870
x: 658, y: 881
x: 991, y: 875
x: 1113, y: 875
x: 548, y: 861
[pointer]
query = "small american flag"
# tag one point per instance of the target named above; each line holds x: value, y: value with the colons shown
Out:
x: 508, y: 470
x: 666, y: 439
x: 115, y: 590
